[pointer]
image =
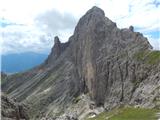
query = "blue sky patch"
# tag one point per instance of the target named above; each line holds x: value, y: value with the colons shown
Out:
x: 4, y: 23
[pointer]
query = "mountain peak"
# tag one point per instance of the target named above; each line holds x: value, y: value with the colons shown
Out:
x: 99, y: 65
x: 56, y: 40
x: 91, y: 21
x: 96, y: 10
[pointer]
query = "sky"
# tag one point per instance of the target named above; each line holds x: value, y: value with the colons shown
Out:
x: 30, y: 25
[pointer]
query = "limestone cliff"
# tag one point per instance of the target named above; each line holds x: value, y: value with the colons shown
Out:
x: 101, y: 65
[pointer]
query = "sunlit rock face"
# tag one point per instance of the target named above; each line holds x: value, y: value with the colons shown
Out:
x: 109, y: 65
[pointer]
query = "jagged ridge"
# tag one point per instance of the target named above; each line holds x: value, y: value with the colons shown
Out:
x: 99, y: 60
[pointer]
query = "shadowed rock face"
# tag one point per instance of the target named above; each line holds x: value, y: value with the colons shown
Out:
x: 57, y: 50
x: 57, y: 47
x: 109, y: 64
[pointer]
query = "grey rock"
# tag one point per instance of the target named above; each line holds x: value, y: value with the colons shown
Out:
x: 131, y: 28
x: 112, y: 66
x: 13, y: 110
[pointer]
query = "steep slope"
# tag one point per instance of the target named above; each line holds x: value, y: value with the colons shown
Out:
x: 111, y: 66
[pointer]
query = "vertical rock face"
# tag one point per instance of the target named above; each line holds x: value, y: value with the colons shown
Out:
x: 57, y: 47
x: 98, y: 47
x: 89, y: 35
x: 57, y: 50
x: 109, y: 64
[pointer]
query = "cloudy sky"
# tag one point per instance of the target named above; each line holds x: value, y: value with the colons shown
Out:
x: 30, y: 25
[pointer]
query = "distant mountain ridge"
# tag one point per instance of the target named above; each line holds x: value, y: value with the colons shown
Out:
x: 12, y: 63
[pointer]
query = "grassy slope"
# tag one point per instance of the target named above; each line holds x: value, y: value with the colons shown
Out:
x: 129, y: 113
x: 149, y: 57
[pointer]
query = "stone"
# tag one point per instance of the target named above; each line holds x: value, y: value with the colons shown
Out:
x: 12, y: 110
x: 131, y: 28
x: 111, y: 66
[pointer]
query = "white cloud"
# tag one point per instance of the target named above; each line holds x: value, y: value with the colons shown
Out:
x: 23, y: 38
x: 55, y: 22
x: 30, y: 16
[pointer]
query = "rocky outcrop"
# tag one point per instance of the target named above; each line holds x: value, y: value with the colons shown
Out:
x: 57, y: 47
x: 57, y: 50
x: 109, y: 65
x: 12, y: 110
x: 97, y: 51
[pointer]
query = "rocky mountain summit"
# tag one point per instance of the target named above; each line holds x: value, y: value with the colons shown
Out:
x: 99, y: 68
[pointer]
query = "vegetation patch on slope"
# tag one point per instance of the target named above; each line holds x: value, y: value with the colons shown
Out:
x: 149, y: 57
x: 129, y: 113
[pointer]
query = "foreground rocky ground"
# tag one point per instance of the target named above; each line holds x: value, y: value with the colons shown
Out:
x: 11, y: 110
